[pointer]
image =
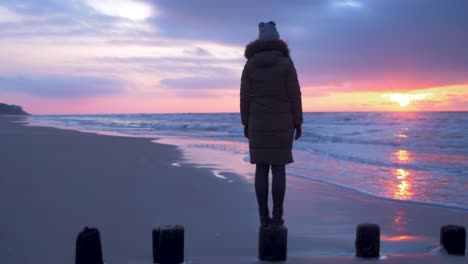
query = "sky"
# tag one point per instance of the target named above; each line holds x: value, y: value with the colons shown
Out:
x: 162, y: 56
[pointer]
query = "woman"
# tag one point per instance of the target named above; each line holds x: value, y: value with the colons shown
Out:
x: 271, y: 109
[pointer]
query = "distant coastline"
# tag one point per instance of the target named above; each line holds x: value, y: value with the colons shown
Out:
x: 6, y: 109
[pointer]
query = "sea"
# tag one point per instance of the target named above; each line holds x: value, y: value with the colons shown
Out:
x: 416, y: 157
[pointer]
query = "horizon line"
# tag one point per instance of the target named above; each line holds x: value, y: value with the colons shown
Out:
x: 169, y: 113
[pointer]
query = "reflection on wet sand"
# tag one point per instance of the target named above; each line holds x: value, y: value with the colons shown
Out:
x: 399, y: 221
x: 400, y: 227
x: 398, y: 238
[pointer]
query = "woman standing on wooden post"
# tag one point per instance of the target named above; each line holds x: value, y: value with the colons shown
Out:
x: 271, y: 110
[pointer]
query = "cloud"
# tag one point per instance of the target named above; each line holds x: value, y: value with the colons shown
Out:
x: 167, y: 59
x: 348, y: 3
x: 201, y: 83
x: 128, y: 9
x: 420, y: 43
x: 6, y: 16
x: 233, y: 22
x: 55, y: 86
x: 55, y: 18
x: 402, y: 44
x: 40, y: 8
x: 198, y: 52
x: 457, y: 101
x: 198, y: 66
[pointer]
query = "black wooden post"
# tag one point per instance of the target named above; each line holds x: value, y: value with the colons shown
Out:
x: 168, y: 244
x: 273, y: 243
x: 88, y: 247
x: 367, y: 240
x: 453, y: 239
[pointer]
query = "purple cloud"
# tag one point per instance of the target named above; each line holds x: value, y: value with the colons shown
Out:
x: 56, y: 86
x: 201, y: 83
x: 422, y: 41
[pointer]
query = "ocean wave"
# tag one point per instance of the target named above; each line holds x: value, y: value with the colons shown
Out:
x: 418, y: 132
x: 433, y: 167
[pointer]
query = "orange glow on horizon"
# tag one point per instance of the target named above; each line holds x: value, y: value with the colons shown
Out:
x: 442, y: 98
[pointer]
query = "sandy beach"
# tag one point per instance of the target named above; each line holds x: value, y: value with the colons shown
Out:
x: 54, y: 182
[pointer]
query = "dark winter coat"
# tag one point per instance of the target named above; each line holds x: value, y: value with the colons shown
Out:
x: 270, y: 101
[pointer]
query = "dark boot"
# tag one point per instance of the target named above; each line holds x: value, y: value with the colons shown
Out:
x: 265, y: 221
x: 277, y: 217
x: 277, y: 221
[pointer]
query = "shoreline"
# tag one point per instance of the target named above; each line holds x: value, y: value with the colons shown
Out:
x: 321, y: 218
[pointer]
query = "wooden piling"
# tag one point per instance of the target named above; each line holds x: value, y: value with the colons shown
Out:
x: 273, y: 243
x: 367, y: 240
x: 168, y: 244
x: 453, y: 239
x: 88, y: 247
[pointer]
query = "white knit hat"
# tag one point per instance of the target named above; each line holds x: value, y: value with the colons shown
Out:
x: 267, y: 31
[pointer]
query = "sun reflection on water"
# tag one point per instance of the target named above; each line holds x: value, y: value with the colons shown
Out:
x: 403, y: 188
x: 403, y: 155
x: 403, y: 191
x: 402, y: 133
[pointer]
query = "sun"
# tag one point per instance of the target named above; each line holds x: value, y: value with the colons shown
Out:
x: 405, y: 99
x: 402, y: 99
x: 404, y: 102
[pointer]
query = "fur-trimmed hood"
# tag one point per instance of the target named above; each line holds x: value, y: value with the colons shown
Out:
x: 257, y: 46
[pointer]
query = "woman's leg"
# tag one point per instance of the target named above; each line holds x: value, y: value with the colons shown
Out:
x: 261, y: 189
x: 278, y: 190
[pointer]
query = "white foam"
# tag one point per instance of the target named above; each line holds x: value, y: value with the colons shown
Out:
x: 217, y: 174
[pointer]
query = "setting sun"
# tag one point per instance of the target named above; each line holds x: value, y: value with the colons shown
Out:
x: 405, y: 99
